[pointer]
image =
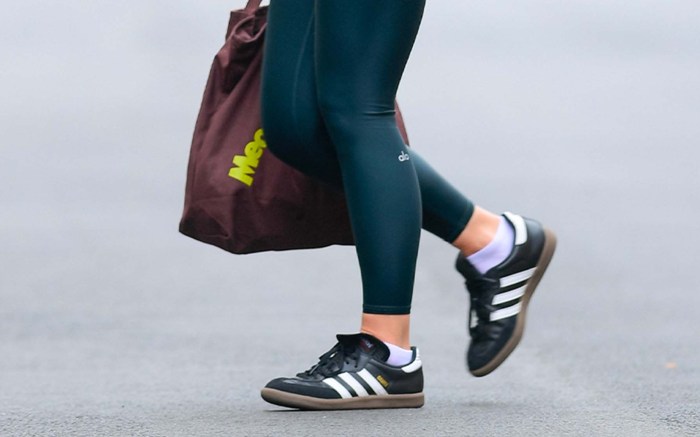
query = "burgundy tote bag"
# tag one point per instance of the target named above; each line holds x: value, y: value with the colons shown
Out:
x: 238, y: 196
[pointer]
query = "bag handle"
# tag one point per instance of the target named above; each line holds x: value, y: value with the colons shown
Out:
x: 252, y: 6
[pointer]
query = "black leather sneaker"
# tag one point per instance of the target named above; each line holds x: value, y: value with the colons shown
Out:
x: 499, y: 297
x: 352, y: 375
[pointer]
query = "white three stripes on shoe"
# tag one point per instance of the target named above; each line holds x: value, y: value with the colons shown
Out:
x: 372, y: 382
x: 511, y: 295
x: 504, y: 313
x: 513, y: 279
x: 508, y: 296
x: 351, y: 380
x: 338, y: 387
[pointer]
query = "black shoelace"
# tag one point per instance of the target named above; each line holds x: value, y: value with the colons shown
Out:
x: 478, y: 287
x: 332, y: 361
x: 480, y: 329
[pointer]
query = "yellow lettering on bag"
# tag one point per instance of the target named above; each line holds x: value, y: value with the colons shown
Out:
x: 244, y: 166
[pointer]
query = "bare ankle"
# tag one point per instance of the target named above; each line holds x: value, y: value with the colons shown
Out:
x: 478, y: 233
x: 389, y: 328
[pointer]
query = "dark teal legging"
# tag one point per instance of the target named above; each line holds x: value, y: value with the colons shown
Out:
x: 330, y: 75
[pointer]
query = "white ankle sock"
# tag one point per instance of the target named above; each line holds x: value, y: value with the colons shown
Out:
x: 398, y: 356
x: 496, y: 251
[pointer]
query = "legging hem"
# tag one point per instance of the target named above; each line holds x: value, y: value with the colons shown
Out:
x: 462, y: 224
x: 389, y: 310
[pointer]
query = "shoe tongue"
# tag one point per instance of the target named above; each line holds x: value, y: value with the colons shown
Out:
x: 367, y: 343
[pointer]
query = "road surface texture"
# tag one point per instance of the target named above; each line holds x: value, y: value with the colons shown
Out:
x: 581, y: 114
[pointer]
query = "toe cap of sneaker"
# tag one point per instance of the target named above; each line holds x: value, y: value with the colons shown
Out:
x: 316, y: 389
x: 483, y: 352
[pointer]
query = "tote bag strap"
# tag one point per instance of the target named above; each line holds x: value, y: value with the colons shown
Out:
x: 252, y: 6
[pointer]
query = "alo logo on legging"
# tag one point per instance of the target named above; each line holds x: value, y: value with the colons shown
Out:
x: 244, y: 166
x: 404, y: 157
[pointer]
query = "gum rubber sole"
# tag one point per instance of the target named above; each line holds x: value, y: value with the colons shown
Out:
x: 550, y: 243
x: 291, y: 400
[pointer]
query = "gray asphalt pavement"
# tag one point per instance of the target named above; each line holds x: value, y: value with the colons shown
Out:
x: 581, y: 114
